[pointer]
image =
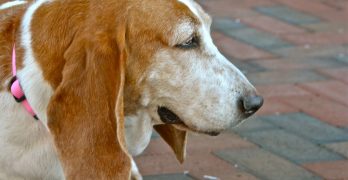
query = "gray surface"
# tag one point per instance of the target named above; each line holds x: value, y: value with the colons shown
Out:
x: 341, y: 148
x: 226, y: 24
x: 265, y: 165
x: 259, y: 39
x: 308, y: 127
x: 291, y: 147
x: 253, y: 124
x: 289, y: 15
x: 168, y: 177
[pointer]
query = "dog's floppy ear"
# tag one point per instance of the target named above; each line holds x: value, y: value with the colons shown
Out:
x: 85, y: 114
x: 175, y: 138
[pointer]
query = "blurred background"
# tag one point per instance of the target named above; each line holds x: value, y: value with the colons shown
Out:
x: 296, y: 53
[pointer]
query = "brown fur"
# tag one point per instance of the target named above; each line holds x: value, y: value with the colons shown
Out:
x: 84, y: 129
x: 89, y: 52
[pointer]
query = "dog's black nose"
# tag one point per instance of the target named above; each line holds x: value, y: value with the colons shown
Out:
x: 250, y: 104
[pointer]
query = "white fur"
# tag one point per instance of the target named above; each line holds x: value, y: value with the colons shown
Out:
x: 37, y: 90
x: 24, y: 143
x: 11, y: 4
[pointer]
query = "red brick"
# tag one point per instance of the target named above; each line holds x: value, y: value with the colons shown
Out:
x: 265, y: 164
x: 284, y: 77
x: 200, y: 164
x: 280, y: 64
x: 337, y: 4
x: 274, y: 94
x: 338, y: 16
x: 310, y: 6
x: 330, y: 170
x: 317, y: 38
x: 236, y: 49
x: 234, y: 8
x: 321, y: 108
x: 222, y: 9
x: 334, y: 90
x: 335, y: 16
x: 197, y: 164
x: 271, y: 25
x: 338, y: 73
x: 281, y: 91
x: 342, y: 4
x: 296, y: 63
x: 157, y: 146
x: 158, y: 164
x: 333, y: 27
x: 316, y: 8
x: 198, y: 142
x: 274, y: 106
x: 312, y: 51
x: 238, y: 12
x: 249, y: 3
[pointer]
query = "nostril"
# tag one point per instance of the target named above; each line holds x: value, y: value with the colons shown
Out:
x: 251, y: 104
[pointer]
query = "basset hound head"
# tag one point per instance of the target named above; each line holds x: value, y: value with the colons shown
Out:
x: 177, y: 74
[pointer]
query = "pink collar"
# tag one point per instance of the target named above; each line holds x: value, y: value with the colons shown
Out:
x: 16, y: 88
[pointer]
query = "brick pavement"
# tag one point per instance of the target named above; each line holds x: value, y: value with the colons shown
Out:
x: 296, y: 53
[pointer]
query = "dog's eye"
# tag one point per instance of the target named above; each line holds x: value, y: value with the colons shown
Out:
x: 192, y: 42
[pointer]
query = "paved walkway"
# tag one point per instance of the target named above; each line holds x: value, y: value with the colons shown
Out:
x: 296, y: 53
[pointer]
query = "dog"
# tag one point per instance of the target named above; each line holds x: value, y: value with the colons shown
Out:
x: 93, y: 78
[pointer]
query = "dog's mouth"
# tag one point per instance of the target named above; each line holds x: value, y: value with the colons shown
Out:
x: 169, y: 117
